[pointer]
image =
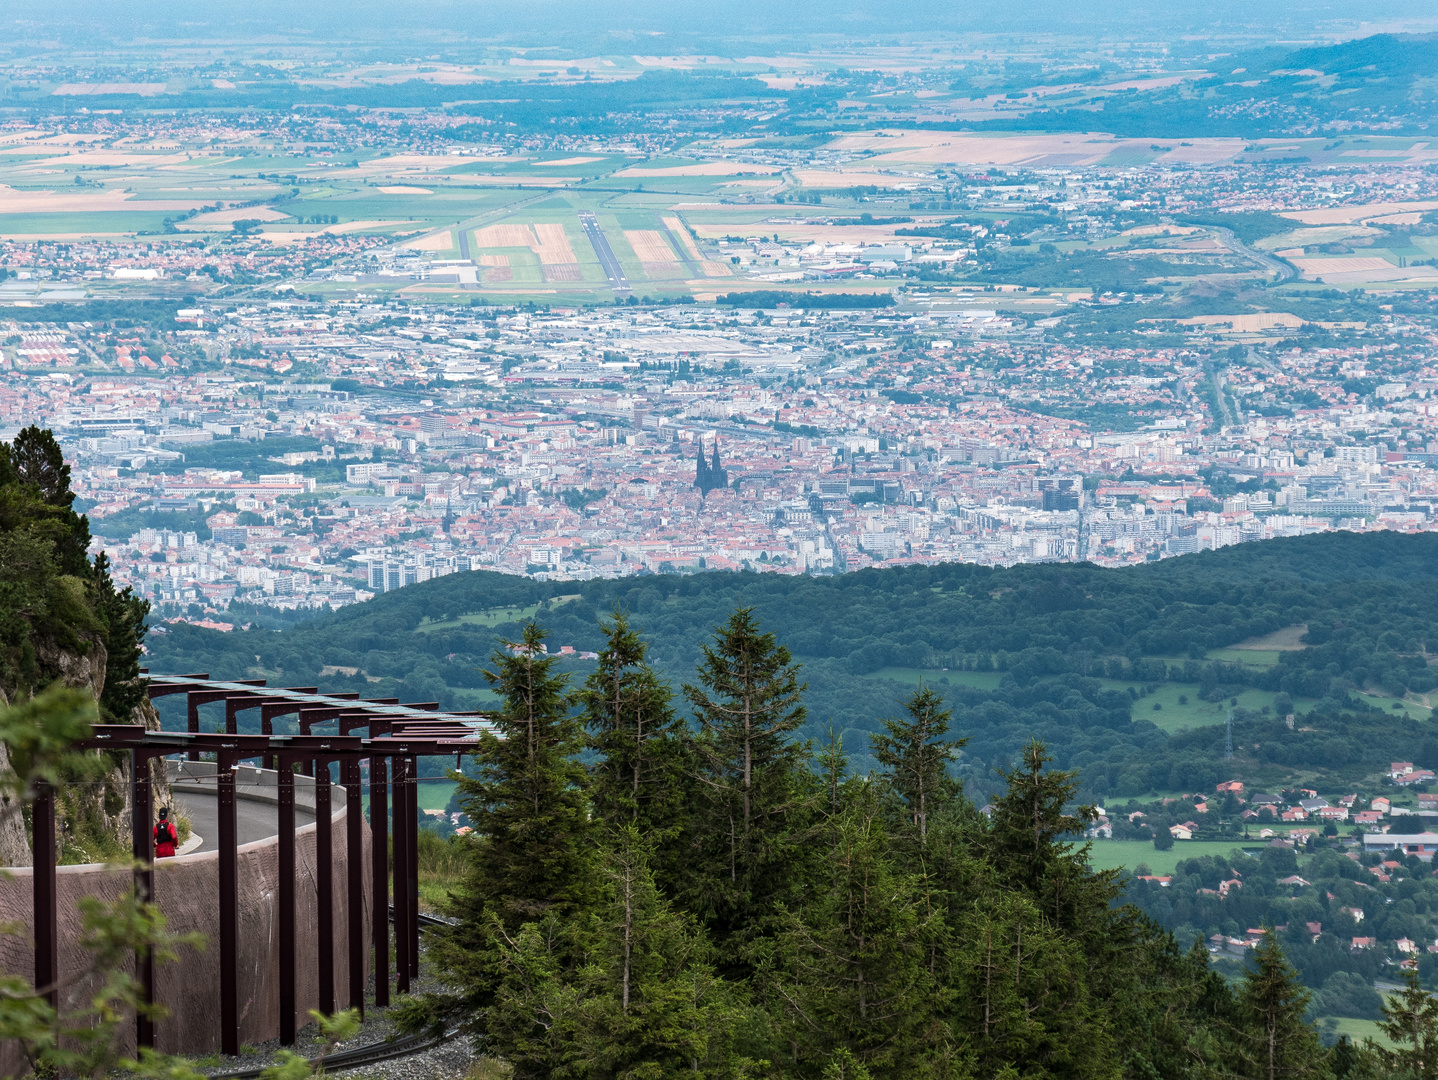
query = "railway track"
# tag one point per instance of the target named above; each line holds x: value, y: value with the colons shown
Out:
x: 369, y: 1053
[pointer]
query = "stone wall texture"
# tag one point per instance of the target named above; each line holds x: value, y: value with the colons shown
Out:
x: 187, y: 891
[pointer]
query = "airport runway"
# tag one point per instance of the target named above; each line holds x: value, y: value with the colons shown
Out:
x: 256, y: 820
x: 607, y: 259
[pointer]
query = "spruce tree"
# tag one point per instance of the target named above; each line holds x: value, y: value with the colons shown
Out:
x: 917, y: 756
x: 1028, y: 843
x: 857, y: 976
x: 1023, y: 994
x: 754, y: 780
x: 532, y: 854
x: 640, y: 775
x: 638, y: 1000
x: 1410, y: 1020
x: 1275, y: 1042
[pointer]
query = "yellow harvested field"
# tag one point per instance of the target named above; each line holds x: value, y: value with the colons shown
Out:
x: 404, y: 189
x: 833, y: 178
x: 1342, y: 266
x: 893, y: 147
x: 676, y: 228
x: 144, y: 89
x: 496, y: 267
x: 440, y: 241
x: 1161, y: 230
x: 82, y: 202
x: 247, y: 213
x: 707, y: 168
x: 502, y: 236
x: 283, y: 237
x: 553, y: 248
x: 816, y: 233
x: 92, y: 158
x: 713, y: 268
x: 649, y: 245
x: 1334, y: 215
x: 561, y: 163
x: 1247, y: 324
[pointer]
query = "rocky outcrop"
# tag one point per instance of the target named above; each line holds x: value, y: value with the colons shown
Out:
x: 106, y: 802
x: 14, y: 844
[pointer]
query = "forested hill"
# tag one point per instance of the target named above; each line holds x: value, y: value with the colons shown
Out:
x: 1087, y: 659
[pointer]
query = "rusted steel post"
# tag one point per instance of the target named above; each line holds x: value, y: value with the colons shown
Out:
x: 402, y: 831
x: 354, y: 874
x: 229, y: 904
x: 142, y: 848
x: 47, y: 930
x: 413, y: 876
x: 324, y: 886
x: 379, y: 827
x: 286, y: 828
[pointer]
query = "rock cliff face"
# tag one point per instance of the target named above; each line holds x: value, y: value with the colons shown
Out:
x: 105, y: 802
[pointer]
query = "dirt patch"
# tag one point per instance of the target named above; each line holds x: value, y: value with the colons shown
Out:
x: 562, y: 272
x: 713, y: 268
x: 402, y: 189
x: 1286, y: 640
x: 656, y: 270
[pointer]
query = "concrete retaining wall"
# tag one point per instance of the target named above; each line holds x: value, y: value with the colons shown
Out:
x: 187, y: 891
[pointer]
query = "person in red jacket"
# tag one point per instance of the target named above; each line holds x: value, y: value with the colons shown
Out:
x: 165, y: 835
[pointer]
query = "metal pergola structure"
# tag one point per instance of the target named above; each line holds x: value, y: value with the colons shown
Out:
x: 396, y: 736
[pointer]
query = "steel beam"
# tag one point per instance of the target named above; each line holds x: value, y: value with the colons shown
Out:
x: 229, y: 903
x: 412, y: 794
x: 379, y: 828
x: 354, y: 881
x: 324, y: 887
x: 403, y: 831
x: 46, y: 913
x: 142, y: 848
x: 286, y: 828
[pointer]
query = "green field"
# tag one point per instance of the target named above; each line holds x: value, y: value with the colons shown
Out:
x: 981, y: 680
x: 434, y: 794
x: 1356, y: 1030
x: 1129, y: 854
x: 1175, y: 715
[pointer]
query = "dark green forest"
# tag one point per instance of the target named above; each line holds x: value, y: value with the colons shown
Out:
x: 719, y: 900
x: 1069, y: 654
x: 56, y: 604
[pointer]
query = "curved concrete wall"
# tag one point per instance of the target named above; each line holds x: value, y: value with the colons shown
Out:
x: 187, y: 891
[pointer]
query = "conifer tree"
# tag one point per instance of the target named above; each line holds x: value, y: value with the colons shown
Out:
x: 1023, y: 994
x: 640, y: 776
x: 917, y: 756
x: 641, y: 1001
x: 1275, y: 1042
x: 858, y: 977
x: 754, y: 778
x: 532, y: 854
x: 1410, y: 1020
x: 1027, y: 843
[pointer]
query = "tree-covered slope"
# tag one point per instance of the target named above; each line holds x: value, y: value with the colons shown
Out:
x: 1033, y: 650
